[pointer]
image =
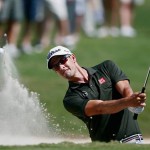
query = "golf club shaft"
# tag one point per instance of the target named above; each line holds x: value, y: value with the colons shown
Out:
x: 136, y: 115
x: 142, y: 91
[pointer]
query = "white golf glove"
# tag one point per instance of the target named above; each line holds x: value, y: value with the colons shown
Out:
x: 1, y: 50
x: 136, y: 110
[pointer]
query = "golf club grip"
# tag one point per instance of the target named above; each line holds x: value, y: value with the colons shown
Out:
x: 143, y: 90
x: 136, y: 115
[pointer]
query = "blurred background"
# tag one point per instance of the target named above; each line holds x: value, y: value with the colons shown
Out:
x: 94, y: 30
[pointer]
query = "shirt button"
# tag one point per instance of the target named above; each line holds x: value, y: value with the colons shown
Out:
x: 91, y: 129
x: 114, y: 135
x: 91, y: 85
x: 91, y: 117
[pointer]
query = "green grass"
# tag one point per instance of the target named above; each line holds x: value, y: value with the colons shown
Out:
x: 88, y: 146
x: 132, y: 55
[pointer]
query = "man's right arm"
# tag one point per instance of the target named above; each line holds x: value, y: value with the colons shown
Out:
x: 97, y: 107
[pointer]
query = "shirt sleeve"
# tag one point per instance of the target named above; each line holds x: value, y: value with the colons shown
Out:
x: 75, y: 104
x: 114, y: 72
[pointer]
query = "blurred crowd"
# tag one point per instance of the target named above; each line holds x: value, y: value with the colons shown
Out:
x: 32, y: 25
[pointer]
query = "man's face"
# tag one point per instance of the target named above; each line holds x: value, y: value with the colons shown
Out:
x: 64, y: 66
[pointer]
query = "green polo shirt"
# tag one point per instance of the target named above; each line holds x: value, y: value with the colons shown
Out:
x: 101, y: 85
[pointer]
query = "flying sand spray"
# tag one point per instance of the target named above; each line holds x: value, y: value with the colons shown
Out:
x: 23, y: 119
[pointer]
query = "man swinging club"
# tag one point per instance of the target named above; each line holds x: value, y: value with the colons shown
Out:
x: 100, y: 96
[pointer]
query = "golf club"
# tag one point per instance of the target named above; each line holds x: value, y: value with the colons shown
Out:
x: 143, y: 90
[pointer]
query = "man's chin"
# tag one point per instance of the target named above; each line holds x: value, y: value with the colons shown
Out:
x: 67, y: 76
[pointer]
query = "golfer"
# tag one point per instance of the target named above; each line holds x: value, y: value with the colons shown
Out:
x: 100, y: 96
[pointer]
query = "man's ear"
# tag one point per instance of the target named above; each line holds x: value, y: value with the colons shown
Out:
x: 73, y: 57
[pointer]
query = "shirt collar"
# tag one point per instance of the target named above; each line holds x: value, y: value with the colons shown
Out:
x: 75, y: 85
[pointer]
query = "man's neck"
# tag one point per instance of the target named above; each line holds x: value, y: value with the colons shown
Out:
x: 81, y: 75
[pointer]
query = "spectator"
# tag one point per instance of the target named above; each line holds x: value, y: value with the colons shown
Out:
x: 111, y: 19
x: 33, y: 24
x: 76, y: 11
x: 119, y: 17
x: 71, y: 4
x: 59, y: 9
x: 126, y: 18
x: 11, y: 16
x: 80, y: 13
x: 93, y: 11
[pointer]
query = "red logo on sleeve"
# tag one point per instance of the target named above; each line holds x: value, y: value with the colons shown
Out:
x: 102, y: 80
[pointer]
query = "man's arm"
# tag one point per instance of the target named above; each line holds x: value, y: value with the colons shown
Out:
x: 130, y: 99
x: 124, y: 88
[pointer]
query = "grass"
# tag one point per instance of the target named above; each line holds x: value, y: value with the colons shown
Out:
x: 132, y: 55
x: 68, y: 146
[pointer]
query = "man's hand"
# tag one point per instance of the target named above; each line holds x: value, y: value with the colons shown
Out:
x: 137, y: 100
